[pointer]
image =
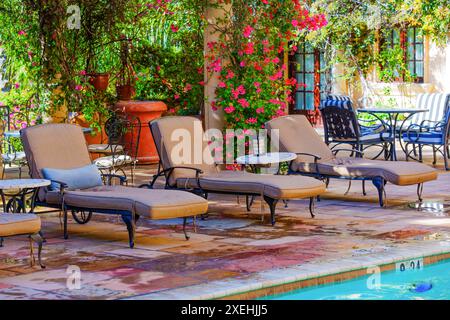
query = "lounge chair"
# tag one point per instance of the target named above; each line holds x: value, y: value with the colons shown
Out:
x: 16, y: 224
x: 63, y: 146
x: 207, y: 177
x: 315, y: 159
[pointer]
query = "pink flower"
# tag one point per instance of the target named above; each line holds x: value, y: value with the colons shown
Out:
x: 238, y: 91
x: 251, y: 121
x: 242, y: 64
x: 248, y: 31
x: 230, y: 75
x: 276, y: 60
x: 188, y: 87
x: 295, y: 23
x: 244, y: 103
x: 82, y: 72
x: 229, y: 109
x: 257, y: 84
x: 249, y: 48
x: 276, y: 76
x: 16, y: 85
x: 260, y: 110
x: 174, y: 28
x: 222, y: 84
x: 215, y: 66
x: 78, y: 87
x: 22, y: 33
x: 176, y: 97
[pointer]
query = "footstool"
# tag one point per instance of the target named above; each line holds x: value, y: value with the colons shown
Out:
x: 15, y: 224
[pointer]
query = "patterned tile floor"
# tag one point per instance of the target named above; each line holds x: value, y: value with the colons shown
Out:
x: 230, y: 246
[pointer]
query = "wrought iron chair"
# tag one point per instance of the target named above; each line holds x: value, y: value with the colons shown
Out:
x: 123, y: 132
x: 341, y: 126
x: 11, y: 152
x: 429, y: 133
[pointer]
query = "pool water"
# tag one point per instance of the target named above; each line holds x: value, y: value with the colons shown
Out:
x: 430, y: 283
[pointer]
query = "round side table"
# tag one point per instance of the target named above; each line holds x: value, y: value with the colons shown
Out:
x: 17, y: 191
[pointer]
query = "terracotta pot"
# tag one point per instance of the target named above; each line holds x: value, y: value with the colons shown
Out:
x: 146, y: 111
x: 100, y: 81
x: 125, y: 92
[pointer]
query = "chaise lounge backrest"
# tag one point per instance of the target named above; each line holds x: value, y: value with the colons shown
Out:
x: 296, y: 134
x: 180, y: 141
x: 57, y: 146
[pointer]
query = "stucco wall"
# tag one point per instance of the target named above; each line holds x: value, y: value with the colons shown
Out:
x: 438, y: 71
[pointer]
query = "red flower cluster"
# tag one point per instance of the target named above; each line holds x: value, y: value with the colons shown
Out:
x: 253, y: 87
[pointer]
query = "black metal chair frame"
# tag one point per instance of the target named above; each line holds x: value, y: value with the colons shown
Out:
x: 341, y: 126
x: 6, y: 143
x: 167, y: 172
x: 116, y: 128
x: 443, y: 149
x: 377, y: 181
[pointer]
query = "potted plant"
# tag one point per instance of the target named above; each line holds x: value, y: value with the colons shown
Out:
x: 125, y: 86
x: 100, y: 81
x: 99, y: 77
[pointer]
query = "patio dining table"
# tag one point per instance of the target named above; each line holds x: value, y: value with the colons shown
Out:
x: 393, y: 122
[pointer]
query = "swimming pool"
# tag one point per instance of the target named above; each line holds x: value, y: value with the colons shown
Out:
x: 432, y: 282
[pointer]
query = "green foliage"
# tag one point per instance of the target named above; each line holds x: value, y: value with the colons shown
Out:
x: 355, y: 26
x: 53, y: 63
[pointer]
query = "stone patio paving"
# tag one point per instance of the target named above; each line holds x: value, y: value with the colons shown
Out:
x: 232, y: 250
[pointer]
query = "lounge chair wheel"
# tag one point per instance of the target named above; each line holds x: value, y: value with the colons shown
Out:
x: 81, y: 216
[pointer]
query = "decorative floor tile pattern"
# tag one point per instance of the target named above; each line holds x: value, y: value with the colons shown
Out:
x: 233, y: 250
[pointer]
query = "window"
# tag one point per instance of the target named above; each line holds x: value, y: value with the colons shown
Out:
x: 411, y: 43
x: 309, y: 67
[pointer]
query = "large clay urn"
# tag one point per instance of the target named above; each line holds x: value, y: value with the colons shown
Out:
x: 146, y: 111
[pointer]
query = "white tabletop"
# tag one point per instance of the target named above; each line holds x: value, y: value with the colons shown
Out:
x: 23, y: 183
x: 16, y: 133
x: 267, y: 158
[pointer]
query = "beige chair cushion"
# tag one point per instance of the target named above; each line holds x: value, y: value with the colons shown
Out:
x: 153, y: 204
x: 56, y: 146
x: 398, y: 172
x: 296, y: 134
x: 165, y: 134
x: 274, y: 186
x: 12, y: 224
